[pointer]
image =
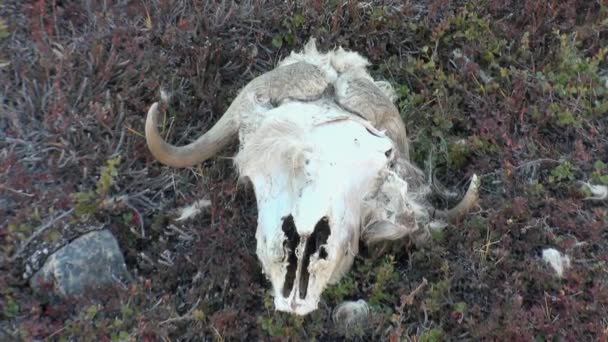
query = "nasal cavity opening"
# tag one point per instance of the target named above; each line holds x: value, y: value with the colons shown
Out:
x: 290, y: 244
x: 313, y: 244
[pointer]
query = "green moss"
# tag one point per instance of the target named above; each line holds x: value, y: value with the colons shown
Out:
x: 3, y: 29
x: 198, y: 315
x: 288, y: 35
x: 460, y: 307
x: 600, y: 172
x: 87, y: 202
x: 437, y: 295
x: 107, y: 175
x: 121, y: 336
x: 458, y: 154
x: 478, y: 222
x: 11, y: 308
x: 575, y: 82
x: 126, y: 312
x: 271, y: 326
x: 437, y: 235
x: 91, y: 312
x: 432, y: 335
x: 484, y: 147
x: 281, y: 324
x: 562, y: 173
x: 535, y: 189
x: 21, y: 231
x: 336, y: 293
x: 4, y: 33
x: 384, y: 275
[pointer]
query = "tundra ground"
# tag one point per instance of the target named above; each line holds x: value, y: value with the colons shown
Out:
x: 515, y: 91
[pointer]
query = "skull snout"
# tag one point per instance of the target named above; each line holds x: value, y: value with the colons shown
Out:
x: 298, y: 253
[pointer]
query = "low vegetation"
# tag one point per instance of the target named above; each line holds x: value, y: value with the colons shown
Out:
x: 515, y: 91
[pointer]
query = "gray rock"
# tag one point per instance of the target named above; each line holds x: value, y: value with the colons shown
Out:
x: 90, y: 261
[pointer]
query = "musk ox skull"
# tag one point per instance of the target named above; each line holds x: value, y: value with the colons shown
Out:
x: 327, y: 154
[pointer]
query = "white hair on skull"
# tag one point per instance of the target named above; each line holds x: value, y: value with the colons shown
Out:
x: 344, y: 61
x: 396, y: 208
x: 279, y: 139
x: 349, y: 313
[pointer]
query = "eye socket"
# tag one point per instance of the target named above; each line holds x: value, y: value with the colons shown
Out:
x: 389, y: 153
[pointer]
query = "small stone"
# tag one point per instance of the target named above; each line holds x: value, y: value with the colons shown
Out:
x: 90, y: 261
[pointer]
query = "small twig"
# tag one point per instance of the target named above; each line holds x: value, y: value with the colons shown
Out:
x: 166, y: 258
x: 19, y: 141
x: 48, y: 338
x: 18, y: 192
x: 217, y: 334
x: 521, y: 166
x: 139, y: 134
x: 426, y: 315
x: 140, y: 218
x: 83, y: 85
x: 120, y: 142
x: 119, y: 281
x: 146, y: 258
x: 37, y: 233
x: 187, y: 316
x: 537, y: 161
x: 409, y: 299
x: 182, y: 234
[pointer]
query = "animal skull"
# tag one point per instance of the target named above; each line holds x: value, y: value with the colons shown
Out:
x: 327, y: 154
x: 311, y: 173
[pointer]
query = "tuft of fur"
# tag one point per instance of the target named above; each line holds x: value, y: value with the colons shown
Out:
x: 350, y: 313
x: 277, y: 140
x: 395, y: 212
x: 345, y: 61
x: 558, y: 261
x: 192, y: 210
x: 598, y: 192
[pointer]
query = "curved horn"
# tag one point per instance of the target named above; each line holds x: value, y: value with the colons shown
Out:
x: 465, y: 204
x: 300, y: 81
x: 203, y: 148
